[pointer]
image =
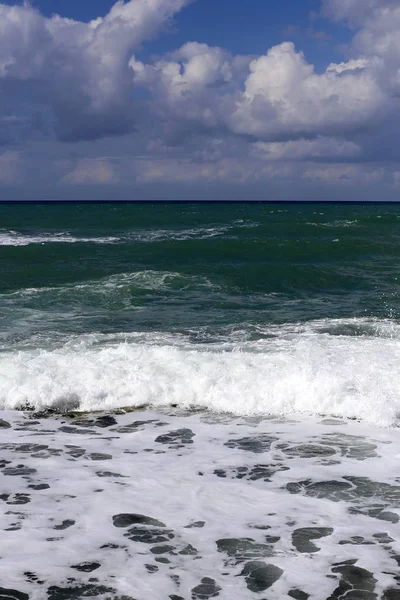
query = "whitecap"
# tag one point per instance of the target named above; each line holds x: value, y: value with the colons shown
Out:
x: 306, y: 369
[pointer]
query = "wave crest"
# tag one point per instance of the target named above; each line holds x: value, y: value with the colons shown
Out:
x: 15, y: 238
x: 304, y: 372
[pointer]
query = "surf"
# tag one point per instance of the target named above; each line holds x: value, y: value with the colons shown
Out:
x: 322, y: 368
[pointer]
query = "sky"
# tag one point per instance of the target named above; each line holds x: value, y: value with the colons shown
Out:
x: 200, y: 99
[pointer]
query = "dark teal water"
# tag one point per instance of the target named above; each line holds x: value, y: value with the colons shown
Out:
x: 174, y: 267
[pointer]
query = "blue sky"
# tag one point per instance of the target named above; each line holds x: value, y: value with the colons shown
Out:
x: 259, y: 99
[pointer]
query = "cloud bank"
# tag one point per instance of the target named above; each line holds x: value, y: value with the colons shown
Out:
x: 201, y: 113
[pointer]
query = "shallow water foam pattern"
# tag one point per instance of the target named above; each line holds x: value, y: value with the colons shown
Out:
x: 182, y: 505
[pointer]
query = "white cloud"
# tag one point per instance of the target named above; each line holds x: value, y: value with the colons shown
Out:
x: 274, y: 97
x: 80, y: 70
x: 280, y: 96
x: 233, y: 118
x: 285, y: 97
x: 376, y: 42
x: 196, y: 84
x: 86, y: 73
x: 351, y: 66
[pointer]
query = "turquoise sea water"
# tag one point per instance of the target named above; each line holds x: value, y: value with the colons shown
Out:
x: 256, y: 278
x: 199, y: 401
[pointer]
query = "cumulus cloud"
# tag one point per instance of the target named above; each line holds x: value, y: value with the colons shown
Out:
x: 78, y: 70
x: 279, y: 98
x: 193, y: 88
x: 87, y: 73
x: 379, y: 41
x: 284, y: 97
x: 210, y: 115
x: 274, y: 97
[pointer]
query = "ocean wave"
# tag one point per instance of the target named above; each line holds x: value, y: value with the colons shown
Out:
x: 117, y: 287
x: 161, y: 235
x: 194, y: 233
x: 301, y: 371
x: 335, y: 224
x: 15, y: 238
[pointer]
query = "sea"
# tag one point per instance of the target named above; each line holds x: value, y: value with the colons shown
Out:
x: 199, y: 400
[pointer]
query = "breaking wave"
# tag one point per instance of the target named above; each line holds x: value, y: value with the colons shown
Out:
x: 16, y: 238
x: 323, y: 368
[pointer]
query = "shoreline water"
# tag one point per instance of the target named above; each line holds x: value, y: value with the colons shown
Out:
x: 190, y: 504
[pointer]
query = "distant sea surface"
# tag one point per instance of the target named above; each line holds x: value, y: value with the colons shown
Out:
x: 260, y: 345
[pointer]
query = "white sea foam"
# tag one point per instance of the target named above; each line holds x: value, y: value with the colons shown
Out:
x: 194, y: 233
x: 230, y: 495
x: 14, y: 238
x: 340, y: 223
x: 302, y: 370
x: 161, y: 235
